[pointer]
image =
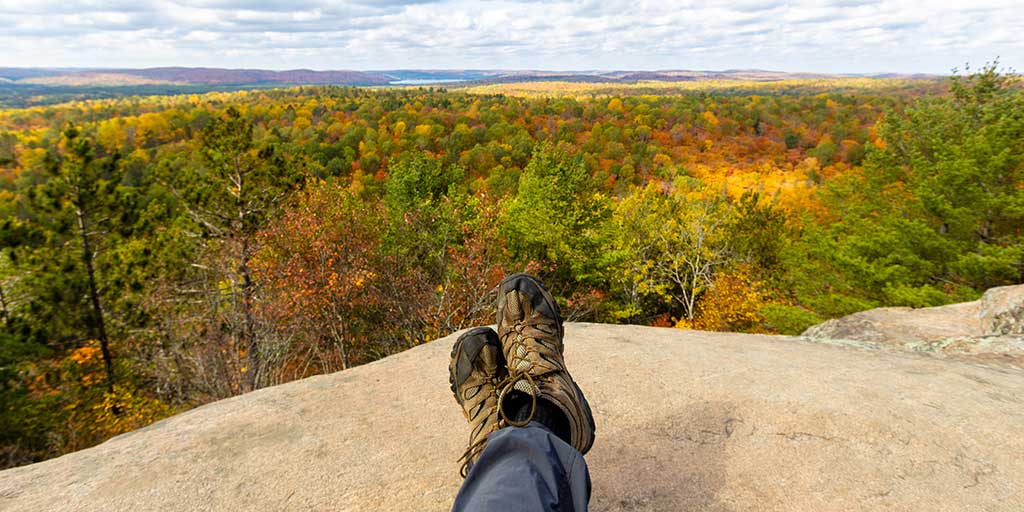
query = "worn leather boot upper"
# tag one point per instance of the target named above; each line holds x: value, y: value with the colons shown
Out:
x: 475, y: 371
x: 531, y: 333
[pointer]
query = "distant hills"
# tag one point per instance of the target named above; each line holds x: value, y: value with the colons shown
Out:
x: 235, y: 77
x: 188, y: 76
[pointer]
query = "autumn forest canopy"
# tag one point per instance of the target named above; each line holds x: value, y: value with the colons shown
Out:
x: 160, y: 252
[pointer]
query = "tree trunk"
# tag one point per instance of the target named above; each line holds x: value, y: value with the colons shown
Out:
x: 249, y: 326
x: 336, y: 325
x: 245, y: 275
x: 94, y: 298
x: 4, y: 313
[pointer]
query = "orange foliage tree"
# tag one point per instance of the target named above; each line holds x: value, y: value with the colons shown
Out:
x: 320, y: 267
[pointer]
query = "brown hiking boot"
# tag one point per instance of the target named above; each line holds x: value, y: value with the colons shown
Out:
x: 476, y: 368
x: 530, y: 330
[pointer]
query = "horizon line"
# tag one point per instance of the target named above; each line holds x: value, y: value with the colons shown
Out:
x: 472, y: 69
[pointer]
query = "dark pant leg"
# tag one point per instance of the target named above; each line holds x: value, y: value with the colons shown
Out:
x: 527, y: 469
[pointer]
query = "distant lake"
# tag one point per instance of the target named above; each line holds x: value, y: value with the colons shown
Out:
x: 420, y: 81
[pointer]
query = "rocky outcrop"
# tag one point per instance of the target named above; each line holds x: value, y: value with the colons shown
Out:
x: 990, y: 329
x: 686, y: 420
x: 1001, y: 311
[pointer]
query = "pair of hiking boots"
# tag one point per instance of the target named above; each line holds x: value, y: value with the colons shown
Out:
x: 517, y: 374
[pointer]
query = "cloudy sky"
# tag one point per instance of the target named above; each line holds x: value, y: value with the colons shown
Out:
x: 805, y: 35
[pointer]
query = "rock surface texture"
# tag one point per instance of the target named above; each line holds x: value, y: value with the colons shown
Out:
x: 989, y: 330
x: 686, y: 420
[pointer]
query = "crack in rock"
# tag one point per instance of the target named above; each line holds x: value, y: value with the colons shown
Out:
x: 803, y: 436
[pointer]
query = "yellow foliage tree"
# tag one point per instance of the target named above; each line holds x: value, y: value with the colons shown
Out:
x: 709, y: 118
x: 93, y: 414
x: 423, y: 130
x: 732, y: 303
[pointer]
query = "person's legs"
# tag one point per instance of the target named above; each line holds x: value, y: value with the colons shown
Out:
x: 530, y: 423
x: 526, y: 468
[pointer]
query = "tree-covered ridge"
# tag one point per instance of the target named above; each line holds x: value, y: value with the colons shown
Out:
x: 345, y: 128
x: 771, y: 85
x: 203, y: 246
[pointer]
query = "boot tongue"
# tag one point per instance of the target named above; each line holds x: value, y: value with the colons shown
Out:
x: 513, y: 306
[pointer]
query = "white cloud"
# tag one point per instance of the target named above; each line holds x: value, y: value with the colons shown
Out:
x: 204, y: 36
x: 802, y: 35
